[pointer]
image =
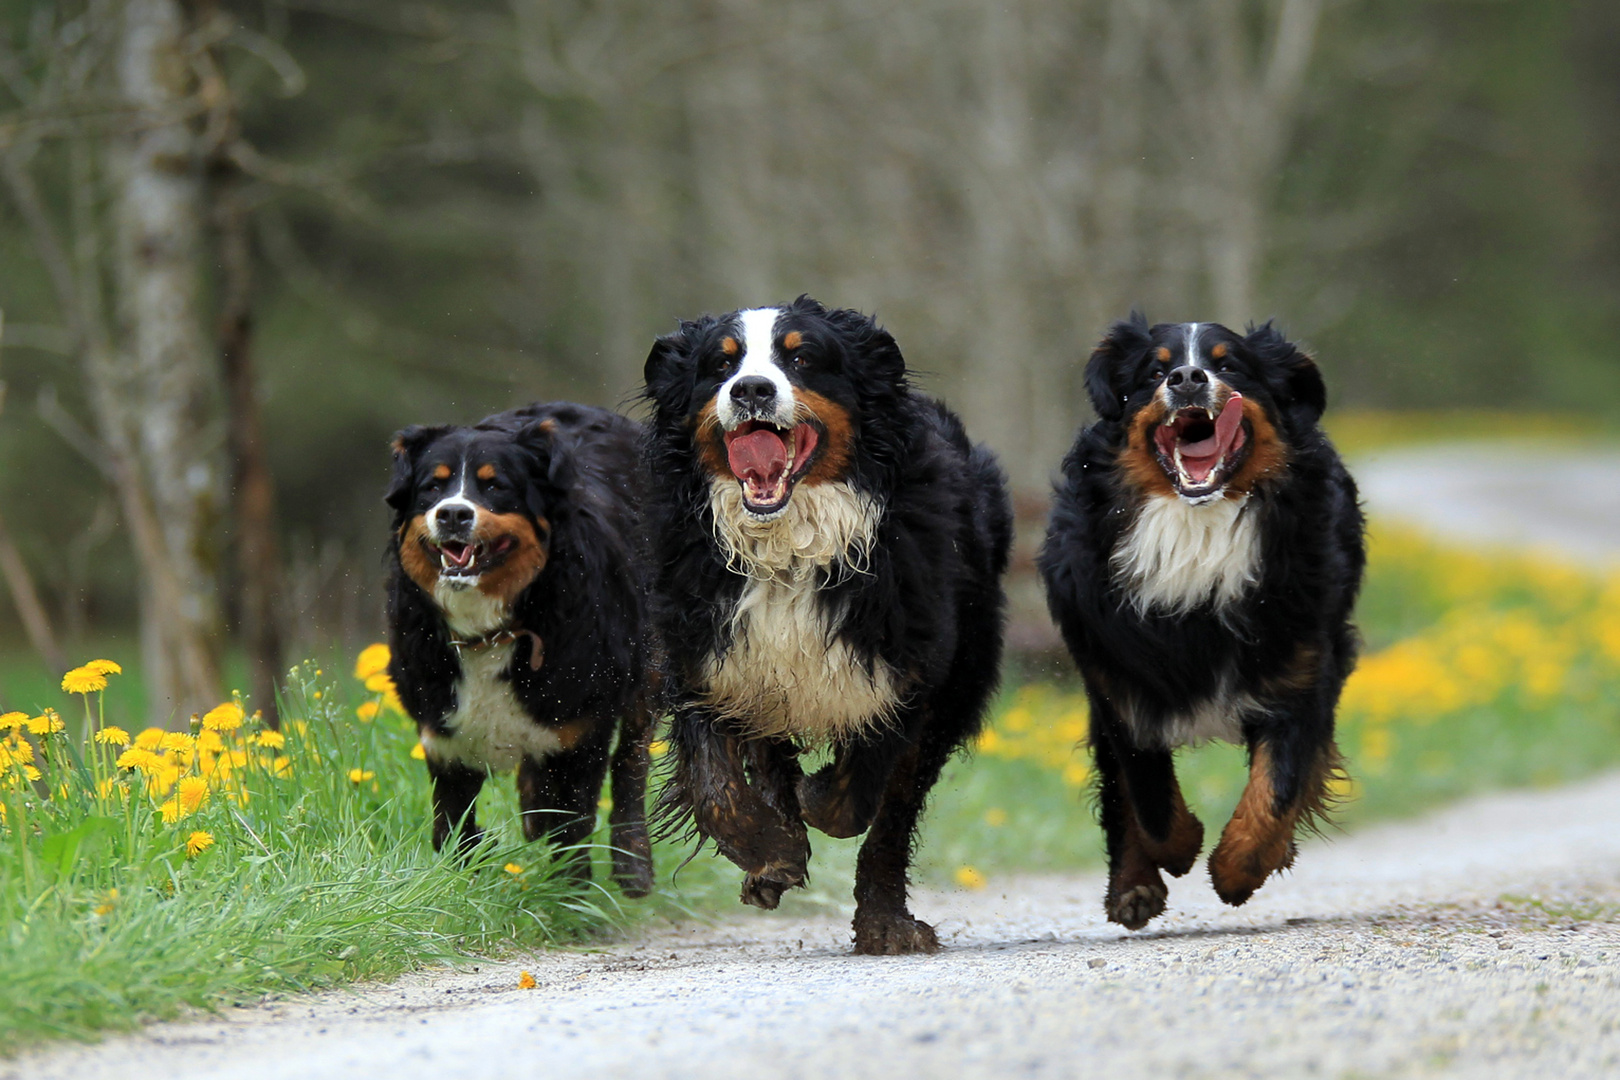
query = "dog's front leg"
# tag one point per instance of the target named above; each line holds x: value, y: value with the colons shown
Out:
x: 1291, y: 759
x: 455, y: 790
x: 632, y: 851
x: 841, y: 797
x: 711, y: 782
x: 1145, y: 819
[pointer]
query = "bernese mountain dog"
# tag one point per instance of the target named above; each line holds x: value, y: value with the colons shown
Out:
x: 517, y: 622
x: 828, y: 552
x: 1202, y: 560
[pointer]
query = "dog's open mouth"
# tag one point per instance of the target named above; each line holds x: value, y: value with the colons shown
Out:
x: 467, y: 560
x: 769, y: 460
x: 1200, y: 452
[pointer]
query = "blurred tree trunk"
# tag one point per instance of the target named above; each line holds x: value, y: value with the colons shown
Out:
x: 164, y: 390
x: 20, y: 583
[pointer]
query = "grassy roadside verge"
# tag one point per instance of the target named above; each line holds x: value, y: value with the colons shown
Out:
x: 234, y: 862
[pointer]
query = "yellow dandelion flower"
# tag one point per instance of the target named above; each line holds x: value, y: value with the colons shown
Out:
x: 226, y: 717
x: 192, y: 793
x: 84, y: 680
x: 7, y: 760
x: 22, y: 751
x: 112, y: 736
x: 14, y: 721
x: 161, y: 781
x: 178, y: 742
x: 271, y: 740
x: 360, y: 776
x: 106, y: 787
x: 969, y: 878
x: 659, y: 747
x: 209, y: 742
x: 526, y: 981
x: 198, y: 842
x: 39, y: 725
x: 512, y: 868
x: 419, y: 752
x: 109, y: 901
x: 372, y: 659
x: 281, y: 766
x: 150, y: 739
x: 380, y: 683
x: 171, y: 811
x: 368, y: 710
x: 299, y: 727
x: 995, y: 817
x: 31, y: 773
x: 105, y: 667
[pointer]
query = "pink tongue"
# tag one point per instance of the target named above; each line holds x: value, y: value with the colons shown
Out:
x: 1199, y: 458
x: 759, y: 456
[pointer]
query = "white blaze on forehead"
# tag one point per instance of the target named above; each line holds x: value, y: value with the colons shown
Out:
x: 456, y: 498
x: 757, y: 328
x: 1192, y: 356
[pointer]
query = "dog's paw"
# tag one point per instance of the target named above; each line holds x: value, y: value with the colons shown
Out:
x: 827, y: 804
x: 765, y: 889
x: 1135, y: 907
x: 1237, y: 873
x: 893, y: 934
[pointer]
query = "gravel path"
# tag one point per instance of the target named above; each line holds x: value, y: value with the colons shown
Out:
x: 1481, y: 941
x: 1477, y: 942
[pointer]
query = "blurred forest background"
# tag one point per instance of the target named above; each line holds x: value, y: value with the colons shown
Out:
x: 241, y: 243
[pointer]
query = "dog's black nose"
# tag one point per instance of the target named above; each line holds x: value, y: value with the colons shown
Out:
x: 454, y: 518
x: 1187, y: 378
x: 754, y: 392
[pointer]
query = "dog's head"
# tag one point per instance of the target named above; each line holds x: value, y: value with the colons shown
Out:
x: 1205, y: 413
x: 471, y: 507
x: 770, y: 397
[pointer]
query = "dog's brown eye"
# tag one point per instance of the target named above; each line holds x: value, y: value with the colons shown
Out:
x: 1158, y: 375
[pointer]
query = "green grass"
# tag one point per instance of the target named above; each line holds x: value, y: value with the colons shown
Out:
x: 315, y: 880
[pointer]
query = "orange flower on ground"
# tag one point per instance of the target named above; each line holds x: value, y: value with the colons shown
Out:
x: 526, y: 981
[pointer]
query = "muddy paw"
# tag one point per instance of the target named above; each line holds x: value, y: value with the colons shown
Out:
x: 827, y: 804
x: 1137, y: 906
x: 765, y: 889
x: 896, y: 934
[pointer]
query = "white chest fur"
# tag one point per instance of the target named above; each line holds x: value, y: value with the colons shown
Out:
x: 489, y: 729
x: 784, y: 674
x: 1177, y: 555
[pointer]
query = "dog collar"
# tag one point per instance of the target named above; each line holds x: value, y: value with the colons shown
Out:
x: 537, y: 650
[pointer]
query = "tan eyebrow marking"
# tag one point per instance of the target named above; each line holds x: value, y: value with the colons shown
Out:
x: 729, y: 346
x: 486, y: 472
x: 793, y: 340
x: 441, y: 472
x: 1162, y: 352
x: 1219, y: 351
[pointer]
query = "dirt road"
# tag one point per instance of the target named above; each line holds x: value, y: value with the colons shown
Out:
x: 1481, y: 942
x: 1390, y: 953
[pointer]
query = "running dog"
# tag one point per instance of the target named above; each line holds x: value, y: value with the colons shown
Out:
x: 1202, y: 560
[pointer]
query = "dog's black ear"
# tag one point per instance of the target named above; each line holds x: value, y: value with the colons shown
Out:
x: 553, y: 474
x: 667, y: 355
x: 1301, y: 381
x: 879, y: 353
x: 1107, y: 369
x: 407, y: 446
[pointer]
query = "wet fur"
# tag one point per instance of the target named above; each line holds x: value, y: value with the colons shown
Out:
x: 1229, y: 619
x: 880, y: 580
